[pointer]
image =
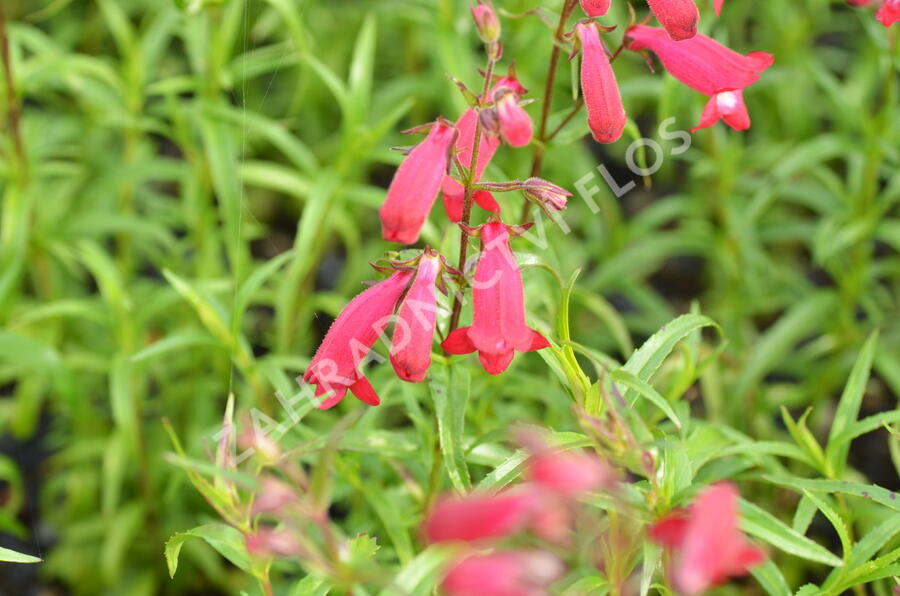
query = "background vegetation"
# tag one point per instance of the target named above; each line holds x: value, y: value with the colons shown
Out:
x: 194, y: 197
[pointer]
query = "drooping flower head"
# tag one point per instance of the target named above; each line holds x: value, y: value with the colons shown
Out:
x: 705, y: 540
x: 503, y: 573
x: 414, y: 328
x: 335, y: 368
x: 416, y: 184
x: 701, y: 63
x: 606, y: 114
x: 678, y: 17
x: 498, y: 327
x: 706, y: 66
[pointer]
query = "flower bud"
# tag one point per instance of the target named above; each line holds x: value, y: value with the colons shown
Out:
x: 267, y: 451
x: 486, y: 22
x: 545, y: 195
x: 595, y: 8
x: 273, y: 496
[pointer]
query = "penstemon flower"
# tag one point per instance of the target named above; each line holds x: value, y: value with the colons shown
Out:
x: 708, y: 67
x: 606, y: 114
x: 678, y: 17
x: 889, y: 13
x: 416, y: 184
x: 498, y: 324
x: 477, y: 517
x: 503, y: 573
x: 515, y: 123
x: 414, y: 330
x: 335, y: 368
x: 707, y: 545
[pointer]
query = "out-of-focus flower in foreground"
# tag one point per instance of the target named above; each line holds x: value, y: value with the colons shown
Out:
x: 606, y: 114
x: 478, y: 517
x: 706, y: 543
x: 498, y: 327
x: 503, y: 573
x: 889, y: 13
x: 416, y: 184
x: 568, y: 473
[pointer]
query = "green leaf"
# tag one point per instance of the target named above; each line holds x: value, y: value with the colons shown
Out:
x: 639, y: 388
x: 771, y: 579
x: 650, y: 356
x: 874, y: 492
x: 227, y: 541
x: 762, y: 524
x: 778, y: 341
x: 11, y: 556
x: 848, y: 407
x: 450, y: 390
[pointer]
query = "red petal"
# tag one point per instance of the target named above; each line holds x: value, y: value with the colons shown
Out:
x: 485, y: 200
x: 496, y: 363
x: 458, y: 342
x: 364, y: 391
x: 538, y: 342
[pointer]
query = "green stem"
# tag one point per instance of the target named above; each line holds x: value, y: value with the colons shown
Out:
x: 469, y: 185
x: 542, y: 138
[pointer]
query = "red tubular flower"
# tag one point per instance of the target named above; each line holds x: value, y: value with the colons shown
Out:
x: 678, y: 17
x: 595, y: 8
x: 503, y: 573
x: 414, y: 331
x: 708, y: 67
x: 478, y: 517
x: 606, y: 114
x: 335, y: 368
x: 415, y: 185
x: 728, y: 106
x: 451, y: 190
x: 515, y: 123
x: 889, y: 13
x: 701, y: 63
x: 498, y: 323
x: 718, y: 6
x: 706, y: 541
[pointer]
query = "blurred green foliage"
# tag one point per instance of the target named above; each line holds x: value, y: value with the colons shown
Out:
x: 197, y: 193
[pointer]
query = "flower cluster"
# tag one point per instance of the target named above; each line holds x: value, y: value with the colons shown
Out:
x: 451, y: 161
x: 543, y: 506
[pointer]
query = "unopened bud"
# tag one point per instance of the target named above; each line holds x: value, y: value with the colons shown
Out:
x: 490, y: 122
x: 273, y: 496
x: 486, y: 22
x: 545, y: 195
